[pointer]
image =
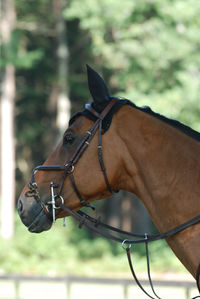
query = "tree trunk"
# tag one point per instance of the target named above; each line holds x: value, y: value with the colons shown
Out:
x: 7, y: 167
x: 63, y: 102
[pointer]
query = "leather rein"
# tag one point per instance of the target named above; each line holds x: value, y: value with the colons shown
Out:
x: 95, y: 224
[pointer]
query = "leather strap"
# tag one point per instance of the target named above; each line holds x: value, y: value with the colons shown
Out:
x: 133, y: 273
x: 82, y: 201
x: 148, y: 269
x: 100, y: 157
x: 143, y: 238
x: 104, y: 112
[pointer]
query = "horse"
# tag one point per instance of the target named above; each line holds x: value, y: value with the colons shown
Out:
x: 115, y: 145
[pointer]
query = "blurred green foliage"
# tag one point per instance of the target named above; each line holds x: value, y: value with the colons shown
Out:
x: 150, y: 49
x: 68, y: 251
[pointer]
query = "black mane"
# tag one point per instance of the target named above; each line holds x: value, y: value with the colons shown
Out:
x: 121, y: 102
x: 172, y: 122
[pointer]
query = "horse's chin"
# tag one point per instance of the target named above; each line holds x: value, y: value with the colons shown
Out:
x: 40, y: 223
x: 36, y: 223
x: 32, y: 215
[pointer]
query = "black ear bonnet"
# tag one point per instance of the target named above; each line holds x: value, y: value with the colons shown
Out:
x: 101, y: 98
x: 107, y: 120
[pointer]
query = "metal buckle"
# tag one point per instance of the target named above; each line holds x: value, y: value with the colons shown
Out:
x: 70, y: 170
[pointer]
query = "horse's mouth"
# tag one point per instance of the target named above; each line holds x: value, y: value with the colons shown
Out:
x: 40, y: 223
x: 33, y: 216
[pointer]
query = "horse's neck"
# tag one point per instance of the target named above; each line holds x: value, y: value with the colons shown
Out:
x: 165, y: 168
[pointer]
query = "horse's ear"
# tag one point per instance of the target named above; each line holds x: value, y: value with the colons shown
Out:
x: 97, y: 87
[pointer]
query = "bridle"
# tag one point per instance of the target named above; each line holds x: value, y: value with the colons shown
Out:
x: 69, y: 167
x: 57, y: 201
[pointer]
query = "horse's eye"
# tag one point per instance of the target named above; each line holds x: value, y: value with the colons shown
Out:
x: 68, y: 138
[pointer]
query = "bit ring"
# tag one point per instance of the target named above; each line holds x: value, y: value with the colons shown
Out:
x: 125, y: 245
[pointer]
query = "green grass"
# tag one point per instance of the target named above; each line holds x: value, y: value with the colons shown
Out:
x: 71, y: 251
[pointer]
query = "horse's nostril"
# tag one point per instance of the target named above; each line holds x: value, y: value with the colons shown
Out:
x: 20, y: 206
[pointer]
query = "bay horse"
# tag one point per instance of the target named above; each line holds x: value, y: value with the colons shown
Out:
x: 145, y: 153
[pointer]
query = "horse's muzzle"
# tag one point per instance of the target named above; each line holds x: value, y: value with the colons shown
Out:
x: 32, y: 215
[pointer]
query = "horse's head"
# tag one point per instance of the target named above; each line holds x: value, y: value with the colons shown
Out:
x: 78, y: 171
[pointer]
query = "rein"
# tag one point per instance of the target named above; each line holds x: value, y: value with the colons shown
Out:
x: 94, y: 224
